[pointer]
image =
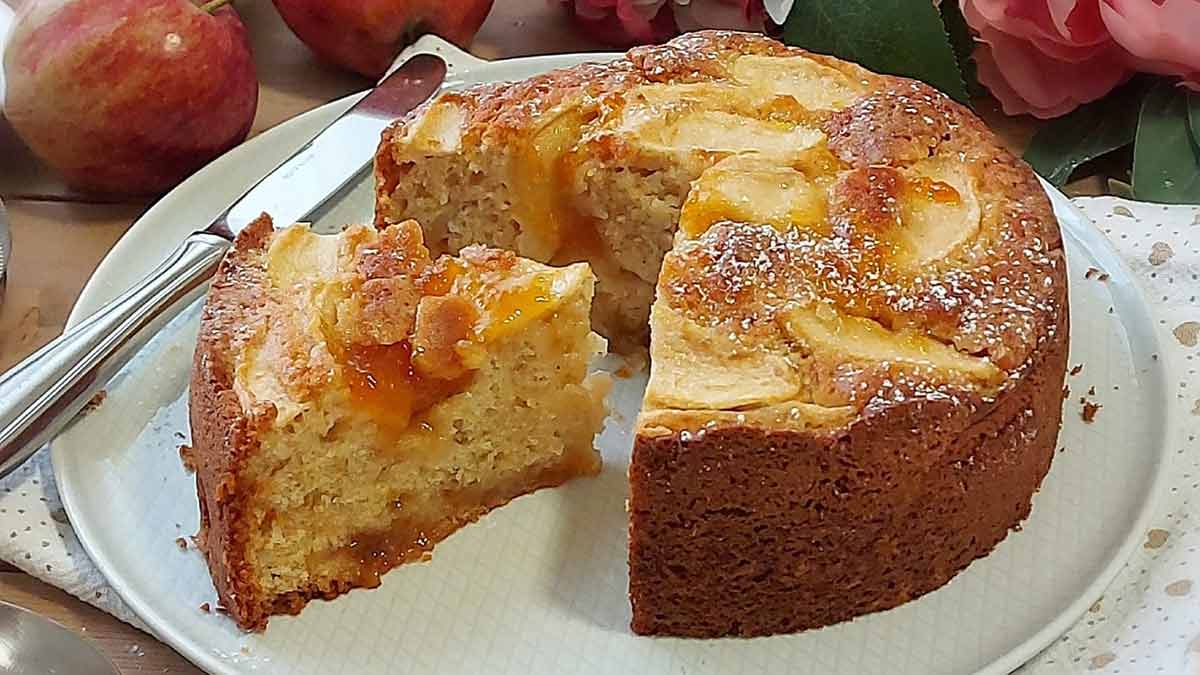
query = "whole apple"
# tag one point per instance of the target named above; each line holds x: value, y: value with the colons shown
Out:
x: 365, y: 35
x: 128, y: 97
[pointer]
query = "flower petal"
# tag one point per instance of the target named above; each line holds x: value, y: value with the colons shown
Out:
x: 1049, y: 41
x: 1027, y: 80
x: 1164, y: 37
x: 1071, y: 23
x: 1078, y: 20
x: 624, y: 23
x: 700, y: 14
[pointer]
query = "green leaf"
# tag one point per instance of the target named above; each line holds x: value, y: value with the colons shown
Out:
x: 1087, y: 132
x: 902, y: 37
x: 963, y: 44
x: 1166, y: 164
x: 1194, y: 116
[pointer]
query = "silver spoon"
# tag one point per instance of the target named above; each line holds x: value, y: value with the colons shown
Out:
x: 34, y: 645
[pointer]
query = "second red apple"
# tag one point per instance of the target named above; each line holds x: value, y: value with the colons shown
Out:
x: 365, y: 35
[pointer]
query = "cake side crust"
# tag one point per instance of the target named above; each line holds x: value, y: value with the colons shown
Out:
x: 223, y: 435
x: 803, y: 529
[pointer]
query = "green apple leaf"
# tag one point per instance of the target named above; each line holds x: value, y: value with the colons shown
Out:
x: 1088, y: 132
x: 963, y: 44
x: 901, y: 37
x: 1166, y: 164
x: 1194, y: 116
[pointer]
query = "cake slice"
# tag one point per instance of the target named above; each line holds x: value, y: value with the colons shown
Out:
x: 353, y: 402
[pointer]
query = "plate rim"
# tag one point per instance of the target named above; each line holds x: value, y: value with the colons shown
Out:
x: 97, y: 290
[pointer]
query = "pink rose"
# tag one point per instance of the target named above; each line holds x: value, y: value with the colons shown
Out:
x: 1046, y: 57
x: 623, y: 23
x: 1161, y: 37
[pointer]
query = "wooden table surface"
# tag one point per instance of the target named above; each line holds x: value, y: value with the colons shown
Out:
x: 59, y: 237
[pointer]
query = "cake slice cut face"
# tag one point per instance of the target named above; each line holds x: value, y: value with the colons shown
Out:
x: 594, y: 163
x: 355, y: 401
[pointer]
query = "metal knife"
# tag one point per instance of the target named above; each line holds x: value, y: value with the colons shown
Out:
x: 43, y: 393
x: 5, y: 249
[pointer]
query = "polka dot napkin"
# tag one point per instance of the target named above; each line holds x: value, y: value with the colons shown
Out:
x: 1148, y: 620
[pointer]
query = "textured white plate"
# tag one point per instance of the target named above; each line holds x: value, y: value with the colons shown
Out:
x: 539, y: 586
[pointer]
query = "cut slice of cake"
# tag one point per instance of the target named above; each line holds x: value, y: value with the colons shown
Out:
x: 353, y: 402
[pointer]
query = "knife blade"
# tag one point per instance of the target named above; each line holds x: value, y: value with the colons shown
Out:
x: 321, y: 170
x: 5, y: 249
x: 43, y: 393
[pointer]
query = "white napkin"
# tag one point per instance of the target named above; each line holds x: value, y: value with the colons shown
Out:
x: 1148, y: 618
x: 36, y: 537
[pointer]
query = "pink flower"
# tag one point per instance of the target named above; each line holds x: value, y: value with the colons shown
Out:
x: 728, y: 14
x: 1162, y: 37
x: 622, y: 23
x: 1046, y: 57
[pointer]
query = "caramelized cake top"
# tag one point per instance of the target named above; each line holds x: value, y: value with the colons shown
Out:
x: 696, y: 99
x: 867, y: 282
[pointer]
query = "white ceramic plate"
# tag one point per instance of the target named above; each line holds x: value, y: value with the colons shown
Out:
x: 539, y: 585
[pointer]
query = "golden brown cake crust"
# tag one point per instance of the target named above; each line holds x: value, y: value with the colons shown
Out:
x: 225, y: 434
x: 500, y: 121
x: 764, y: 514
x: 506, y: 111
x: 222, y: 435
x: 509, y: 109
x: 801, y: 530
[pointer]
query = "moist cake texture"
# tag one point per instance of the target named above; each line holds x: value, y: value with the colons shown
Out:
x: 354, y: 401
x: 855, y: 300
x: 594, y: 162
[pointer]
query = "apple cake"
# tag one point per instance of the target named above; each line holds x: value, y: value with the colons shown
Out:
x: 354, y: 401
x: 855, y: 300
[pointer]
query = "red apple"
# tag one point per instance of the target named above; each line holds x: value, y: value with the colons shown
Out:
x: 128, y: 96
x: 365, y: 35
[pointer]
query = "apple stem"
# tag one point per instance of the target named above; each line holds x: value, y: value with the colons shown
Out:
x: 213, y: 5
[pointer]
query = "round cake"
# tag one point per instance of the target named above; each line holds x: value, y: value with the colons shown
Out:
x: 855, y: 299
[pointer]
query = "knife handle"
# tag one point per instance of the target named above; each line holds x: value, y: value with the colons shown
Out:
x: 41, y: 395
